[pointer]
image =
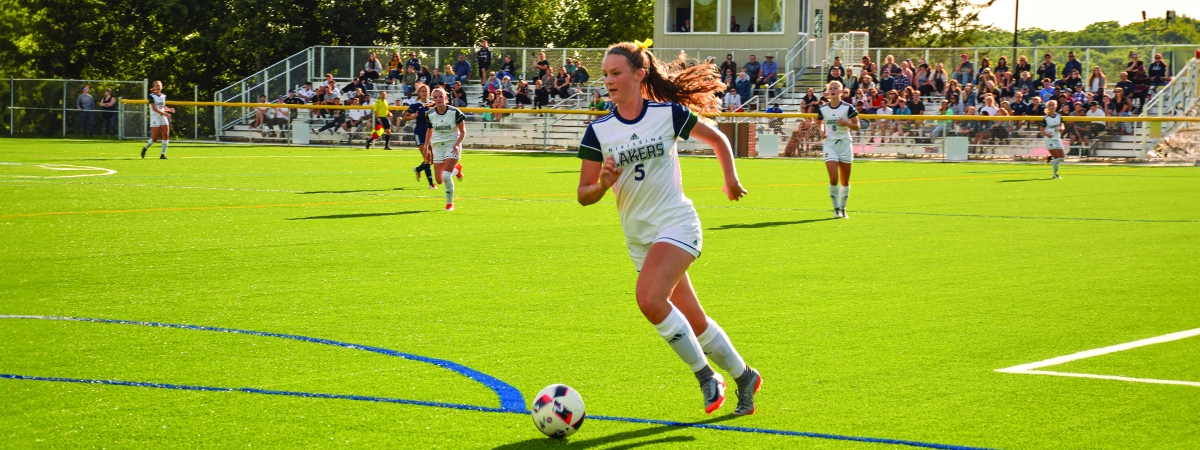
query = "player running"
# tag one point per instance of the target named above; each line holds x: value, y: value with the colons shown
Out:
x: 417, y: 110
x: 382, y: 118
x: 447, y: 129
x: 835, y: 119
x: 633, y: 151
x: 160, y: 119
x: 1052, y: 126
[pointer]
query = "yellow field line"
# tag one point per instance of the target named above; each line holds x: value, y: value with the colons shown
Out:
x: 208, y: 208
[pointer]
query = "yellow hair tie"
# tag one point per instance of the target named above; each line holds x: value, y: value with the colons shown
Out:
x: 643, y: 45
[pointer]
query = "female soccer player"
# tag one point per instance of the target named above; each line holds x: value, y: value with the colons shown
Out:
x: 1052, y: 126
x: 417, y: 110
x: 382, y: 118
x: 633, y: 151
x: 160, y: 119
x: 447, y: 129
x: 835, y: 120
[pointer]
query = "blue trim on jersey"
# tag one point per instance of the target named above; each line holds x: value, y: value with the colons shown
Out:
x: 603, y: 118
x: 645, y: 107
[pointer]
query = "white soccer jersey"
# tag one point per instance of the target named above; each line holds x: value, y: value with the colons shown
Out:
x: 160, y: 101
x: 1051, y: 124
x: 445, y: 125
x: 650, y: 188
x: 831, y: 117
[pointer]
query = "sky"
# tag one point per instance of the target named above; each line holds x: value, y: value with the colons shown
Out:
x: 1074, y: 15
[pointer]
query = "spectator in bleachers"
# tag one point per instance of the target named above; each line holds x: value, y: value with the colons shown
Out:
x: 423, y: 76
x: 506, y: 88
x: 921, y: 76
x: 393, y: 69
x: 435, y: 79
x: 989, y: 88
x: 835, y: 74
x: 889, y: 63
x: 523, y: 96
x: 753, y: 68
x: 809, y: 102
x: 541, y: 93
x: 293, y: 99
x: 368, y: 85
x: 1121, y: 106
x: 915, y: 104
x: 940, y: 78
x: 964, y: 72
x: 1096, y: 128
x: 448, y: 77
x: 276, y: 118
x: 887, y: 82
x: 989, y: 105
x: 864, y: 83
x: 306, y: 93
x: 354, y: 117
x: 1072, y: 64
x: 942, y: 125
x: 581, y: 74
x: 597, y: 104
x: 876, y: 101
x: 489, y: 89
x: 734, y: 26
x: 1019, y: 107
x: 985, y: 63
x: 1073, y: 79
x: 1004, y: 82
x: 1158, y: 72
x: 985, y: 75
x: 1047, y: 92
x: 499, y: 101
x: 728, y: 80
x: 339, y: 118
x: 1002, y: 66
x: 770, y: 72
x: 562, y: 84
x: 373, y: 67
x: 1022, y: 65
x: 729, y: 66
x: 1125, y: 84
x: 413, y: 62
x: 1079, y: 97
x: 743, y: 84
x: 462, y: 69
x: 410, y: 81
x: 733, y: 101
x: 569, y: 64
x: 352, y: 87
x: 1097, y: 81
x: 260, y: 112
x: 1025, y: 84
x: 507, y: 65
x: 458, y: 95
x: 869, y: 67
x: 1048, y: 69
x: 899, y: 81
x: 483, y: 58
x: 837, y: 64
x: 954, y: 102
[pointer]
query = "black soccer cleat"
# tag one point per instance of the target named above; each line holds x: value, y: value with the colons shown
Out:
x: 144, y: 152
x: 162, y: 156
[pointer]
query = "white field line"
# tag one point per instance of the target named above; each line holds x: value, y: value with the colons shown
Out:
x: 62, y: 167
x: 1031, y: 368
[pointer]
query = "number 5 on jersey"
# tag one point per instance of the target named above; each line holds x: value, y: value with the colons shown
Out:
x: 639, y: 172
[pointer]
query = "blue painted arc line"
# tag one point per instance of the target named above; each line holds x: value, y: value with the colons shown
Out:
x: 510, y: 397
x: 511, y: 400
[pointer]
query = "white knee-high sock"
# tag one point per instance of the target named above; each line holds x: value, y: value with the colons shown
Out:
x: 833, y: 195
x: 164, y: 146
x: 843, y: 194
x: 717, y: 346
x: 448, y: 178
x: 1055, y: 163
x: 148, y: 143
x: 455, y: 172
x: 678, y: 334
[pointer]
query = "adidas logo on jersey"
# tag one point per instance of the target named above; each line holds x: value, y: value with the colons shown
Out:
x: 634, y: 137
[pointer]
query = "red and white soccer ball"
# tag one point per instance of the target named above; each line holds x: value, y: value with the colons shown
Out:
x: 558, y: 411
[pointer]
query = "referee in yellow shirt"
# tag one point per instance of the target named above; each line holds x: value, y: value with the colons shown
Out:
x: 382, y: 118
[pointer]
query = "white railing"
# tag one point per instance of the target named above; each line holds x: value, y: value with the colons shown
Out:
x: 1175, y: 99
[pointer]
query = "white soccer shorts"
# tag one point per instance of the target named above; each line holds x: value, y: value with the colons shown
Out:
x: 1054, y: 144
x: 158, y: 121
x: 839, y: 150
x: 444, y: 150
x: 687, y: 237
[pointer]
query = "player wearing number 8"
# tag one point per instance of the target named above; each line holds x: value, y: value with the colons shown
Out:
x: 633, y: 151
x: 835, y: 120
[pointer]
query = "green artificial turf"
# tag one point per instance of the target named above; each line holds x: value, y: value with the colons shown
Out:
x: 888, y: 325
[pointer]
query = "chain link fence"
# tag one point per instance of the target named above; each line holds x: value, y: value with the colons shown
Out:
x: 48, y: 107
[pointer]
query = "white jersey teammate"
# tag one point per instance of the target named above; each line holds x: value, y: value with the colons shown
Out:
x: 160, y: 119
x: 633, y: 151
x: 447, y: 129
x: 835, y: 119
x: 1052, y: 126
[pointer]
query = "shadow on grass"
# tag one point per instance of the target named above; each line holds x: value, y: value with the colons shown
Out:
x: 575, y: 444
x: 768, y: 224
x: 565, y: 171
x: 355, y: 191
x: 1027, y: 179
x: 354, y: 216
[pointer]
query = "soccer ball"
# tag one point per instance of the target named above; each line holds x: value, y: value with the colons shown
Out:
x: 558, y: 411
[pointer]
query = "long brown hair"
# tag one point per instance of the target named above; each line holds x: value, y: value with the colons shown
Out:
x: 693, y: 87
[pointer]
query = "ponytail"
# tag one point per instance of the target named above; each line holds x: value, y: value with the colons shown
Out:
x: 694, y: 87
